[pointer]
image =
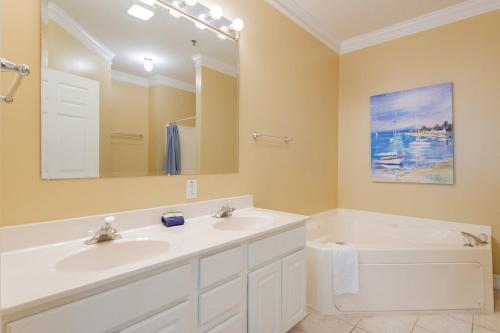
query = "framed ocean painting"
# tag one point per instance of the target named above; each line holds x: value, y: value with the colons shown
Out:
x: 412, y: 135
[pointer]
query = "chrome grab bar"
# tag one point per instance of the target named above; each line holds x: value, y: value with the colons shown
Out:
x: 20, y: 70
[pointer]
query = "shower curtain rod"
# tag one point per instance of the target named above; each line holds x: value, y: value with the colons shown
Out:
x: 180, y: 120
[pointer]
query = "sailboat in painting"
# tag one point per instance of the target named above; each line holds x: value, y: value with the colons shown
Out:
x: 392, y: 158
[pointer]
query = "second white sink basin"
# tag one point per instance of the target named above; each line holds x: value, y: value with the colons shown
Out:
x: 244, y: 222
x: 111, y: 254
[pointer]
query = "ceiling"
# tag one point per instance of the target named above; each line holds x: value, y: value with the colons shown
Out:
x: 339, y: 22
x: 165, y: 39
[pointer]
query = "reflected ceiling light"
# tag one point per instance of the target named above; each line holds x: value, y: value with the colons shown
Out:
x: 237, y: 25
x: 175, y: 13
x: 140, y: 12
x: 222, y: 36
x: 149, y: 2
x: 199, y: 25
x: 216, y: 12
x: 191, y: 2
x: 148, y: 64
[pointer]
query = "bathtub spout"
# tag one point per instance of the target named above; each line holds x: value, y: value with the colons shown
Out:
x: 480, y: 240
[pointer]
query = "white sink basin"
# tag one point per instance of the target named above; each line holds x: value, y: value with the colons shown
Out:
x: 244, y: 222
x: 111, y: 254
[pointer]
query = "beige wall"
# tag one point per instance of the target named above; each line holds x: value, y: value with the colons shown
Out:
x: 67, y: 54
x: 288, y: 85
x: 217, y: 127
x: 167, y: 104
x: 466, y: 53
x: 129, y: 114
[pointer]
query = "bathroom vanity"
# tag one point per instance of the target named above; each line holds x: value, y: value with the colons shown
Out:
x: 244, y: 273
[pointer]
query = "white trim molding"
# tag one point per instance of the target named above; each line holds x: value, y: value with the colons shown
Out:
x: 496, y: 282
x: 441, y: 17
x: 202, y: 60
x: 65, y: 21
x: 302, y: 18
x: 425, y: 22
x: 157, y: 80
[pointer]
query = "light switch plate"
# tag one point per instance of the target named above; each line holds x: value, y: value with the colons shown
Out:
x: 191, y: 189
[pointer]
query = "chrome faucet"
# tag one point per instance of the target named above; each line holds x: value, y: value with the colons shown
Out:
x: 479, y: 240
x: 224, y: 211
x: 105, y: 233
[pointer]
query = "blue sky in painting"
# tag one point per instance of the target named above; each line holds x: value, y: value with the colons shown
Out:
x: 412, y: 108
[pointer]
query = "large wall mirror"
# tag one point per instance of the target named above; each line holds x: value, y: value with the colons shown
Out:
x: 130, y: 90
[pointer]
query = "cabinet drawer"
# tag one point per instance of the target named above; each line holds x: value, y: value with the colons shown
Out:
x: 111, y: 309
x: 232, y: 325
x: 273, y: 247
x: 221, y: 301
x: 220, y: 266
x: 172, y: 320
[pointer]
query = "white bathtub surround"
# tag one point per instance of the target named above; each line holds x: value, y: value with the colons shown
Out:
x: 346, y: 270
x: 405, y: 264
x: 196, y: 282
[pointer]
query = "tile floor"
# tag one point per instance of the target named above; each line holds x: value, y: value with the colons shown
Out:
x: 460, y: 322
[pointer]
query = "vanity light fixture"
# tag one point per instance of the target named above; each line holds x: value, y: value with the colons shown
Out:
x: 178, y: 8
x: 216, y: 12
x: 184, y: 3
x: 148, y: 64
x: 151, y: 3
x: 237, y: 25
x: 140, y: 12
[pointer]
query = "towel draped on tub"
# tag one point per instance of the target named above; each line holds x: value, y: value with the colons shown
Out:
x: 345, y: 269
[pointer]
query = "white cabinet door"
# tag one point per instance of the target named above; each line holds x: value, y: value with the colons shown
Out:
x: 294, y: 272
x: 70, y: 126
x: 175, y: 320
x: 264, y: 299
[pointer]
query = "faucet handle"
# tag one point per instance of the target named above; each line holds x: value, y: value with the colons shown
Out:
x: 109, y: 219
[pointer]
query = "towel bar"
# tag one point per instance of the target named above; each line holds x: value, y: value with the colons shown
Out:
x: 20, y: 70
x: 285, y: 139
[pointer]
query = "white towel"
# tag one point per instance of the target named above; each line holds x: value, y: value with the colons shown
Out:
x: 345, y: 269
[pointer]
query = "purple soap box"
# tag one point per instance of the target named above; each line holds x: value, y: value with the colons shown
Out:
x: 172, y: 219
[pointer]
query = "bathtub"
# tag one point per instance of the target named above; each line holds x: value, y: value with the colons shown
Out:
x: 405, y: 264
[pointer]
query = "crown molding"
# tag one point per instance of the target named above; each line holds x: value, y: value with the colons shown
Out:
x: 425, y: 22
x: 157, y: 80
x: 301, y: 17
x: 65, y: 21
x: 160, y: 80
x: 202, y: 60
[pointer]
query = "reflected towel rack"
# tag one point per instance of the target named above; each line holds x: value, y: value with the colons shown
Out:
x: 127, y: 136
x: 181, y: 120
x: 20, y: 70
x: 285, y: 139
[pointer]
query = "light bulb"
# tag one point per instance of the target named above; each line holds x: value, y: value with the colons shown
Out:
x: 149, y: 2
x: 199, y: 25
x: 175, y: 13
x: 237, y: 24
x: 191, y: 2
x: 216, y: 12
x: 148, y: 64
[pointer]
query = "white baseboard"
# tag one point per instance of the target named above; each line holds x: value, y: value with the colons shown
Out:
x: 496, y: 282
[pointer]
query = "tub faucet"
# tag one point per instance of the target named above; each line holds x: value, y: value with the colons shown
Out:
x: 105, y: 233
x: 479, y: 240
x: 224, y: 211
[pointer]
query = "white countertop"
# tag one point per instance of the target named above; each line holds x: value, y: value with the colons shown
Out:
x: 29, y: 278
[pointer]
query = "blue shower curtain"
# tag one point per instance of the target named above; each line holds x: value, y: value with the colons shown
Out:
x: 173, y: 158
